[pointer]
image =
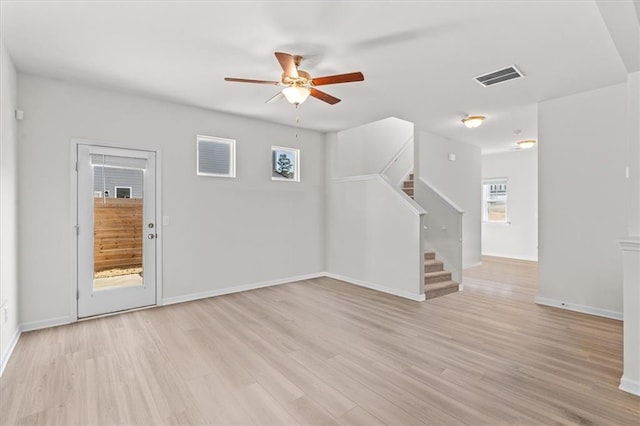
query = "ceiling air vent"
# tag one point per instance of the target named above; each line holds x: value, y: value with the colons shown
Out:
x: 499, y: 76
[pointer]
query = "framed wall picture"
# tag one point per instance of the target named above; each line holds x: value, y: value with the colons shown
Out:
x: 285, y: 164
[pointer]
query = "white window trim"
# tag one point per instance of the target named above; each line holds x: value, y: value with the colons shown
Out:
x: 485, y: 218
x: 232, y: 155
x: 115, y: 190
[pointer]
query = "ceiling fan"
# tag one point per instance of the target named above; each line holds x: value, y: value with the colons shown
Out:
x: 299, y: 84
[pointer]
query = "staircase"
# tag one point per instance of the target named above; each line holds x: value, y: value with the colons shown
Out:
x: 407, y: 186
x: 437, y: 281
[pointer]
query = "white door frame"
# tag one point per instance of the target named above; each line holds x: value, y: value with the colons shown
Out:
x: 73, y: 217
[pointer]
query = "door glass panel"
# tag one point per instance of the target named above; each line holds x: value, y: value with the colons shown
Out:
x: 118, y: 185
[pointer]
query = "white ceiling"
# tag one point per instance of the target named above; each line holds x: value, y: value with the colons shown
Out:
x: 418, y: 58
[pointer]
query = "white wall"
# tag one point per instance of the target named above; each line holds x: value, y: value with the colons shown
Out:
x: 372, y: 229
x: 582, y: 192
x: 459, y: 180
x: 223, y: 233
x: 8, y: 204
x: 519, y: 238
x: 368, y: 148
x: 373, y: 236
x: 633, y: 89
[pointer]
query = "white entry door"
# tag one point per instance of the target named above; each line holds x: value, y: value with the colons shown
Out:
x: 116, y: 229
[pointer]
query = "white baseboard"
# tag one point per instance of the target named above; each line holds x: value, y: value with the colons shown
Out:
x: 52, y: 322
x: 628, y: 385
x: 12, y: 345
x: 395, y: 292
x: 237, y: 289
x: 511, y: 256
x: 579, y: 308
x: 472, y: 265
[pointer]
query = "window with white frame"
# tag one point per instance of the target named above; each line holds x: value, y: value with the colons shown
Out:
x: 215, y: 156
x: 123, y: 191
x: 494, y: 200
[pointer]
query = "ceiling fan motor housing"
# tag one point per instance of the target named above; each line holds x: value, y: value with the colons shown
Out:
x: 303, y: 79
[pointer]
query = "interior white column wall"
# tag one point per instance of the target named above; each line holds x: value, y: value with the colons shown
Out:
x: 223, y: 233
x: 633, y: 88
x: 9, y: 325
x: 582, y: 196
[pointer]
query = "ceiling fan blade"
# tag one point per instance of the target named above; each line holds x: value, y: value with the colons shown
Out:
x: 332, y: 100
x: 288, y: 64
x: 244, y: 80
x: 340, y: 78
x: 275, y: 98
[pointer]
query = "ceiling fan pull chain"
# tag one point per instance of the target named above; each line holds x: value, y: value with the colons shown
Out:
x: 297, y: 122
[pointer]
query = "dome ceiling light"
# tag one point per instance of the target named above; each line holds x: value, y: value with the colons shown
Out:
x: 473, y: 121
x: 526, y: 144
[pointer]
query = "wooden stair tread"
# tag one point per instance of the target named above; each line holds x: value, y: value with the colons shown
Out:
x: 407, y: 186
x: 441, y: 285
x: 433, y: 265
x: 436, y: 277
x: 429, y: 255
x: 431, y: 291
x: 436, y: 273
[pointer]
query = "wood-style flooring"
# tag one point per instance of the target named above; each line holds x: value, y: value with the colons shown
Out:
x: 325, y: 352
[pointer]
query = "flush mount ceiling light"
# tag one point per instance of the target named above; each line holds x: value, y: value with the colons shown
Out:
x: 526, y: 144
x: 296, y: 94
x: 472, y: 121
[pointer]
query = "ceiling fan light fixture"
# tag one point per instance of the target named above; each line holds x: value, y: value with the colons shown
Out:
x: 296, y: 94
x: 526, y: 144
x: 299, y: 83
x: 473, y: 121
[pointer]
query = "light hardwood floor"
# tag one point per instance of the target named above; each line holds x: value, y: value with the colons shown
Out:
x: 325, y: 352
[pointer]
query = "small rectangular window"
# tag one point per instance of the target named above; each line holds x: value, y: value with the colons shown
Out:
x: 123, y: 191
x: 494, y: 200
x: 216, y: 156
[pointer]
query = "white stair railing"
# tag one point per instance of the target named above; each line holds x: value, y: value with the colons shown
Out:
x: 442, y: 226
x: 401, y: 164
